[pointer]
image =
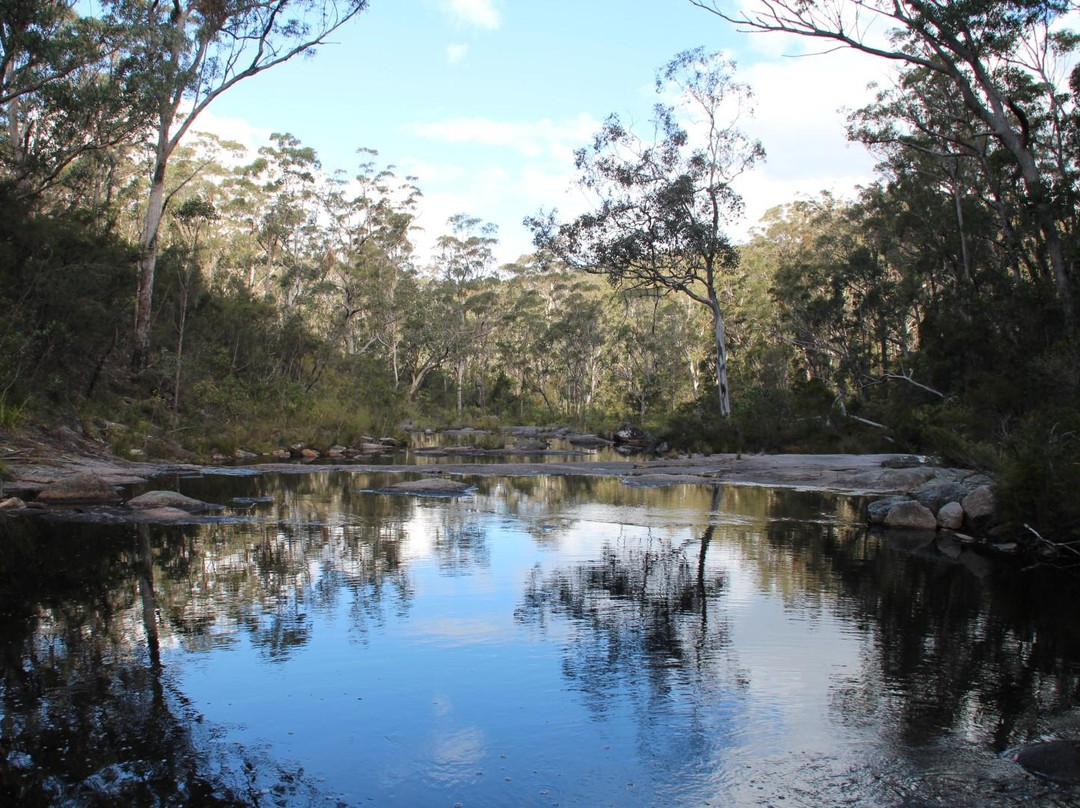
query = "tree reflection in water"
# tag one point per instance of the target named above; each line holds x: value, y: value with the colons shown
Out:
x: 89, y: 714
x: 646, y: 599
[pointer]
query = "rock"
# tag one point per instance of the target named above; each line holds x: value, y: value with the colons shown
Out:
x: 978, y: 564
x: 1054, y: 760
x: 948, y: 546
x: 587, y: 440
x: 904, y: 461
x: 900, y: 479
x: 877, y: 510
x: 12, y: 504
x: 951, y: 516
x: 282, y: 454
x: 980, y: 504
x: 935, y: 493
x: 375, y: 448
x: 78, y: 488
x: 310, y: 454
x: 911, y: 514
x: 630, y: 435
x: 162, y: 515
x: 244, y: 454
x: 429, y: 486
x: 169, y: 499
x: 530, y: 444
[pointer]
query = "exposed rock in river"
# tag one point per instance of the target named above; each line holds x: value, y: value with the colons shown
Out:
x: 169, y: 499
x: 429, y: 486
x: 78, y: 488
x: 1054, y: 760
x: 911, y: 514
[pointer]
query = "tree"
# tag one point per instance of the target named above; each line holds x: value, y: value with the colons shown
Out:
x: 662, y: 206
x: 203, y: 49
x: 66, y: 89
x: 463, y: 257
x: 992, y: 53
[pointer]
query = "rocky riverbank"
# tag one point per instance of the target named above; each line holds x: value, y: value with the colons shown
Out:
x: 912, y: 492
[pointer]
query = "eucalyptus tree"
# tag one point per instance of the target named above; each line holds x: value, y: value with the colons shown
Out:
x: 463, y: 257
x: 998, y: 56
x: 191, y: 221
x: 287, y: 234
x: 202, y: 50
x: 368, y: 250
x: 68, y: 88
x: 662, y: 206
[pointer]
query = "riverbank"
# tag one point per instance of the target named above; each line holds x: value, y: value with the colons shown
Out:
x: 33, y: 464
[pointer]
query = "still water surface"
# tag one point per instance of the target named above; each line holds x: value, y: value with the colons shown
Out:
x: 542, y: 642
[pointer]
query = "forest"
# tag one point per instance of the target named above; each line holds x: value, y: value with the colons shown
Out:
x: 167, y: 292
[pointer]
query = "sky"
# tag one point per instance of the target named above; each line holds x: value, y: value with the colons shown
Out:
x: 485, y: 101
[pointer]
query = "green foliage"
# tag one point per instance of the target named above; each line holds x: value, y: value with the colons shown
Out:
x: 1040, y: 475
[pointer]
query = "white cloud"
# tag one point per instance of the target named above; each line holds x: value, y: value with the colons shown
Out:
x: 533, y: 139
x: 481, y: 13
x: 237, y: 130
x: 456, y: 53
x: 801, y: 119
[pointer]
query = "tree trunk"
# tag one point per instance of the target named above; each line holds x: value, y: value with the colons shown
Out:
x: 148, y: 244
x: 721, y: 360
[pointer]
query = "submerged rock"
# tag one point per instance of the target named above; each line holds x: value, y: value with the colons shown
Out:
x: 530, y: 444
x: 78, y: 488
x: 163, y: 515
x: 1054, y: 760
x: 429, y: 486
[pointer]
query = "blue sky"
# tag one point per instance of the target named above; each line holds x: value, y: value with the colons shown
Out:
x: 484, y: 101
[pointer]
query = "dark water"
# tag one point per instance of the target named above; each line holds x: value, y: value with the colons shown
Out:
x: 546, y: 641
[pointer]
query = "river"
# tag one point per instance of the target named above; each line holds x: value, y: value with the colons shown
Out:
x: 543, y: 641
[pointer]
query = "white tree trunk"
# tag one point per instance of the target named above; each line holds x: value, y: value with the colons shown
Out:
x: 721, y: 361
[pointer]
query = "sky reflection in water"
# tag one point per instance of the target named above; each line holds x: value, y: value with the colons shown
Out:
x: 561, y: 641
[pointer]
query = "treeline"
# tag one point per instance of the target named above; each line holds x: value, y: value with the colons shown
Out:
x: 934, y: 312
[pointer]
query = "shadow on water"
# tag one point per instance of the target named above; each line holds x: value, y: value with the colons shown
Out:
x: 727, y: 646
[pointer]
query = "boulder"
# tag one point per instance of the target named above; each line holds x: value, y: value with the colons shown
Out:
x: 12, y: 504
x: 950, y: 516
x: 936, y: 493
x: 530, y: 444
x: 168, y: 499
x: 163, y: 516
x: 244, y: 454
x: 282, y: 454
x: 1054, y: 760
x: 979, y: 504
x: 877, y: 510
x: 429, y: 486
x: 310, y: 454
x: 904, y: 461
x: 912, y: 515
x: 630, y: 435
x: 78, y: 488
